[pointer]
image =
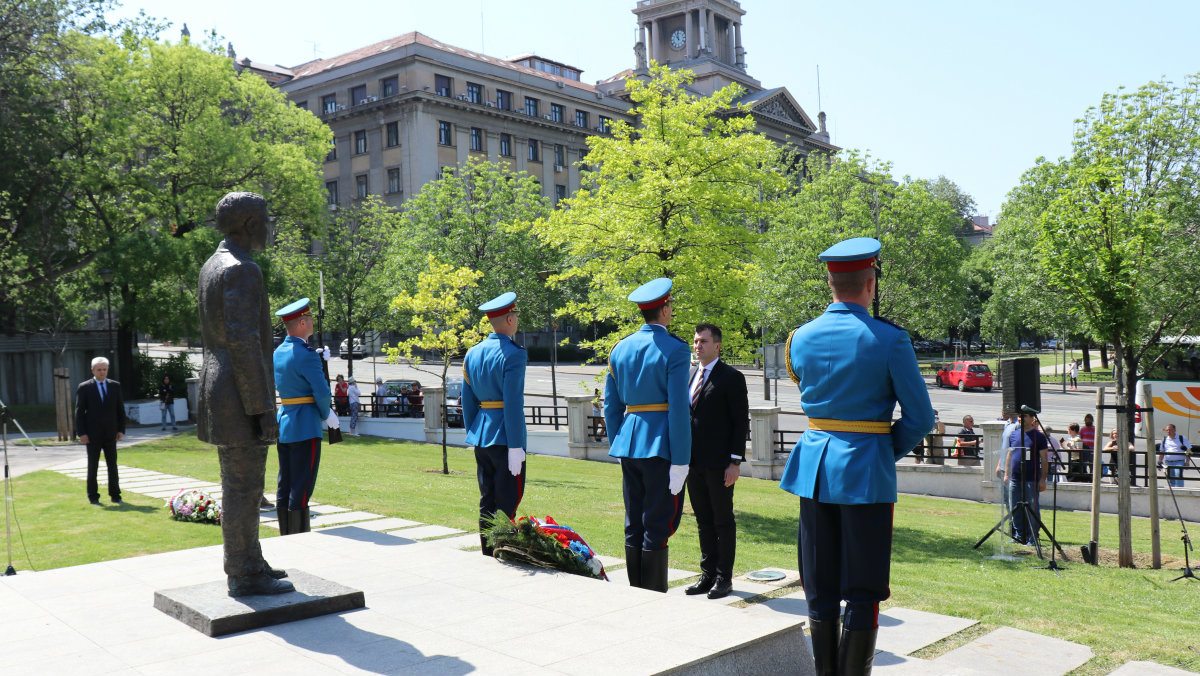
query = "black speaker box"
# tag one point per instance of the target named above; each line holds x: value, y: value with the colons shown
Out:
x: 1020, y: 384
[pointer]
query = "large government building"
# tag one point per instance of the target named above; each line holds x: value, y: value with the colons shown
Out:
x: 404, y: 109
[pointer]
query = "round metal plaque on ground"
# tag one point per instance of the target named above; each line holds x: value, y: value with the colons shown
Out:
x: 765, y: 576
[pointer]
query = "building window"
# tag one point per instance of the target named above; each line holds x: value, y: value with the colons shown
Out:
x: 393, y: 180
x: 329, y: 103
x: 476, y: 139
x: 360, y: 186
x: 581, y: 118
x: 557, y: 112
x: 393, y: 134
x: 358, y: 94
x: 605, y: 124
x: 442, y: 85
x: 388, y: 86
x: 332, y: 154
x: 445, y: 134
x: 503, y: 99
x: 360, y: 141
x: 534, y: 154
x: 560, y: 155
x: 506, y: 145
x: 302, y: 104
x: 560, y: 192
x: 474, y: 92
x: 531, y: 106
x: 331, y: 195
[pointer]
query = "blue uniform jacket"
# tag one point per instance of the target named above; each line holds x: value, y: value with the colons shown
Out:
x: 494, y: 370
x: 851, y: 366
x: 298, y: 373
x: 649, y: 367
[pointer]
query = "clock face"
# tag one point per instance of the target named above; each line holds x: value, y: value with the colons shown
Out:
x: 678, y: 39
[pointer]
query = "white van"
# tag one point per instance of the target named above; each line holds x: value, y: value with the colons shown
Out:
x: 1174, y: 401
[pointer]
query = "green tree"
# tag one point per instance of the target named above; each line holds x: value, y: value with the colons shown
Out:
x: 442, y: 322
x: 160, y: 132
x: 681, y: 195
x: 851, y: 196
x: 355, y: 248
x: 1119, y: 239
x: 478, y: 216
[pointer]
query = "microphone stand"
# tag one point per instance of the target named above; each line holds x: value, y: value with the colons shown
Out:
x: 5, y: 417
x: 1053, y: 563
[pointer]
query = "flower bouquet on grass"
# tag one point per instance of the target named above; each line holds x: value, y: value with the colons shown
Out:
x: 194, y: 505
x: 544, y: 543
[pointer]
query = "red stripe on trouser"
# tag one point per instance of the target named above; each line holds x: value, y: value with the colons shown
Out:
x: 520, y: 491
x: 312, y: 460
x: 678, y: 518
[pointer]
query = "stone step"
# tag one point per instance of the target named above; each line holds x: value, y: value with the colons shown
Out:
x: 1008, y: 651
x: 742, y: 590
x: 1147, y: 669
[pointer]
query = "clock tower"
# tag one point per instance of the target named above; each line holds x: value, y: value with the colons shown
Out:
x: 704, y: 36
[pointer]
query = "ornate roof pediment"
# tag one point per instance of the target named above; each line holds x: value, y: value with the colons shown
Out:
x: 780, y: 105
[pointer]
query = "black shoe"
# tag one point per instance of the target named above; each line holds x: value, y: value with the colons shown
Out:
x: 264, y: 503
x: 485, y: 548
x: 701, y: 587
x: 94, y: 501
x: 824, y: 634
x: 721, y: 589
x: 116, y: 501
x: 633, y: 565
x: 276, y: 573
x: 258, y: 584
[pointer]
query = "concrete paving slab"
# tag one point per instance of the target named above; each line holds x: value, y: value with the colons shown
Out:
x: 904, y: 665
x: 1007, y: 651
x: 426, y: 532
x: 793, y: 605
x: 790, y: 577
x: 903, y: 631
x: 327, y: 520
x: 468, y: 541
x: 610, y: 561
x: 387, y: 524
x: 1147, y: 669
x: 322, y: 510
x: 621, y: 575
x: 742, y: 590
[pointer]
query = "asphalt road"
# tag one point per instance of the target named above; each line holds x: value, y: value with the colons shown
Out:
x: 1058, y: 409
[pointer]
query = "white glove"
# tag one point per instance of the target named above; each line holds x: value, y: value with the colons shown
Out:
x: 325, y: 353
x: 516, y: 457
x: 332, y: 422
x: 678, y: 476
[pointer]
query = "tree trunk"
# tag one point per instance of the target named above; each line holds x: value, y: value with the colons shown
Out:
x: 442, y: 412
x: 1087, y: 355
x: 1104, y: 356
x: 1124, y: 422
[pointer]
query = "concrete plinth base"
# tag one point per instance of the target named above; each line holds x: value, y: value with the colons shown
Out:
x: 210, y: 610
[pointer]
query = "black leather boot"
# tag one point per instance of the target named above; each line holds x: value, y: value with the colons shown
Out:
x: 654, y: 569
x: 293, y: 522
x: 633, y: 565
x: 856, y: 652
x: 824, y: 635
x: 485, y: 548
x: 281, y: 513
x: 305, y: 521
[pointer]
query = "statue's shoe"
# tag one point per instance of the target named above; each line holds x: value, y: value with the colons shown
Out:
x: 258, y: 584
x: 277, y: 573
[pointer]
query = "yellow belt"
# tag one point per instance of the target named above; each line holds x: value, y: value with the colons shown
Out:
x: 642, y: 408
x: 862, y: 426
x: 491, y: 404
x: 287, y: 401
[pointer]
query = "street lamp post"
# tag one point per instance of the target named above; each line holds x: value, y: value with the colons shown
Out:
x: 106, y: 276
x: 553, y: 374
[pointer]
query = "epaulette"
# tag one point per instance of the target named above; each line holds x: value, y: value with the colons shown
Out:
x: 891, y: 323
x: 787, y: 357
x: 677, y: 338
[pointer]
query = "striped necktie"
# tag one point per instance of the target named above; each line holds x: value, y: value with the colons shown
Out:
x: 102, y: 392
x: 698, y: 385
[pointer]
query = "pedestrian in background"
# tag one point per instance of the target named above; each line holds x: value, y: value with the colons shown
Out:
x: 354, y: 396
x: 166, y: 402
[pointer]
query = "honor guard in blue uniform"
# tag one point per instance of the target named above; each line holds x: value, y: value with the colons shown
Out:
x: 493, y: 406
x: 852, y: 370
x: 648, y: 420
x: 304, y: 413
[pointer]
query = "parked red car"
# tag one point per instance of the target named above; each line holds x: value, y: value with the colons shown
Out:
x: 964, y: 374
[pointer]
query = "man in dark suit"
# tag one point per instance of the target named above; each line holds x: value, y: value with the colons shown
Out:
x: 720, y: 420
x: 100, y: 424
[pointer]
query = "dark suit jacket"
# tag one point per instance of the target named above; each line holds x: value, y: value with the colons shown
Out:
x: 720, y: 418
x: 101, y: 421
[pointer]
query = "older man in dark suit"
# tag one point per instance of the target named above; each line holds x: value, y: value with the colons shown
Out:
x: 100, y: 424
x: 720, y: 419
x: 236, y: 410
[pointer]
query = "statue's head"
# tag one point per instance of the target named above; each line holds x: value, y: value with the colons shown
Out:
x: 242, y: 217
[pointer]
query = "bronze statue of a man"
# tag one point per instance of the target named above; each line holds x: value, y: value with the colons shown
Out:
x: 236, y: 410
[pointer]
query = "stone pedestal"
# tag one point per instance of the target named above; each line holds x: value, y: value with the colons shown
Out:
x: 764, y: 420
x: 210, y: 610
x: 434, y: 415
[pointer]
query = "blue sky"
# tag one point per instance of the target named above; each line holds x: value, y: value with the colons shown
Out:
x: 969, y: 89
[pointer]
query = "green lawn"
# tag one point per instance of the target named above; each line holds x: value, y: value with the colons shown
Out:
x: 1122, y: 614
